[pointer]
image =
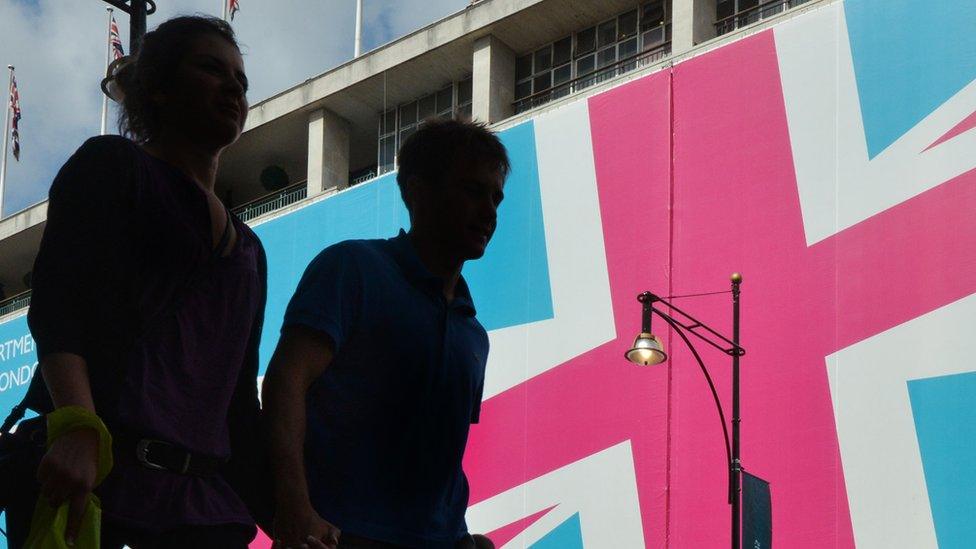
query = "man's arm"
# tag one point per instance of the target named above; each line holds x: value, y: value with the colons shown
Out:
x: 302, y: 355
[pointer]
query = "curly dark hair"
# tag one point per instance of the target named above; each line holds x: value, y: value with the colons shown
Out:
x: 152, y: 69
x: 434, y: 149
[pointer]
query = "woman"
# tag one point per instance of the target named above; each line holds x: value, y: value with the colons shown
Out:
x: 148, y: 300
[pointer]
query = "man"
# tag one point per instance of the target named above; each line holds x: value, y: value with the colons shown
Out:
x: 380, y: 367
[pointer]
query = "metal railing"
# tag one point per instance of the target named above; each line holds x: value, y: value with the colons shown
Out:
x: 15, y: 303
x: 754, y: 15
x: 602, y: 74
x: 272, y: 201
x: 363, y: 178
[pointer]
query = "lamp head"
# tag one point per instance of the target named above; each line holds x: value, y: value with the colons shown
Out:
x: 647, y: 350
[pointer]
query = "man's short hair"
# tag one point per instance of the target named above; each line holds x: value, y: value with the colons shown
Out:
x: 440, y: 144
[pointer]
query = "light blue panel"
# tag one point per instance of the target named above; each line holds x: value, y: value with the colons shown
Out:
x: 510, y: 284
x: 372, y: 210
x: 18, y: 362
x: 910, y: 56
x: 565, y: 536
x: 944, y: 409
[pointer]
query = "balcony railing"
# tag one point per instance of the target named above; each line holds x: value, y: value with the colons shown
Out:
x: 363, y: 178
x: 272, y: 201
x: 602, y: 74
x: 15, y: 303
x: 754, y: 14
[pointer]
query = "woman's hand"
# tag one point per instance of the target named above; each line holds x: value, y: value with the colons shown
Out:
x: 298, y: 526
x: 67, y: 473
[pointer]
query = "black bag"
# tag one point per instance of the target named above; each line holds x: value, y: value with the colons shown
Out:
x: 20, y: 454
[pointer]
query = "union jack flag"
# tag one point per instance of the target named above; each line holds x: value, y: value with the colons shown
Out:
x: 232, y: 7
x: 115, y: 40
x: 15, y: 107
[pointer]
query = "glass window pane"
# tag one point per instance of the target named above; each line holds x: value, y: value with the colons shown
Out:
x: 404, y: 134
x: 627, y: 48
x: 725, y: 8
x: 428, y: 107
x: 445, y: 99
x: 543, y: 60
x: 606, y: 33
x: 542, y: 82
x: 523, y: 67
x: 606, y: 57
x: 770, y: 10
x: 464, y: 92
x: 628, y: 24
x: 652, y: 14
x: 464, y: 112
x: 653, y: 38
x: 584, y: 66
x: 523, y: 90
x: 388, y: 122
x: 408, y: 114
x: 562, y: 74
x: 585, y: 41
x: 562, y: 51
x: 387, y: 150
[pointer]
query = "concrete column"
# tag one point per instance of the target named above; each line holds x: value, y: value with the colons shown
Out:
x: 692, y: 22
x: 493, y: 80
x: 328, y: 152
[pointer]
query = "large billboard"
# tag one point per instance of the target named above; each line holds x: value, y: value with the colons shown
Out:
x: 830, y: 160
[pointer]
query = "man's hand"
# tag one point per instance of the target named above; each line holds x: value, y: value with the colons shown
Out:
x: 67, y: 473
x: 298, y: 526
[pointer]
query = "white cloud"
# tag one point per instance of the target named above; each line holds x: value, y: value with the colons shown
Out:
x: 58, y: 47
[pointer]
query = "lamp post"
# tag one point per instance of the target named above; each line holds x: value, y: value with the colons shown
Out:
x: 648, y: 350
x: 137, y: 10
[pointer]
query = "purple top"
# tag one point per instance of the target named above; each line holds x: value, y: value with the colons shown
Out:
x: 178, y: 389
x: 132, y: 231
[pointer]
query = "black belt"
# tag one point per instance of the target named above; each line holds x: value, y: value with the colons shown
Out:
x: 164, y: 456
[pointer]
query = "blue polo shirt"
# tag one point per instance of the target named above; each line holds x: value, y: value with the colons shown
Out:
x: 388, y: 420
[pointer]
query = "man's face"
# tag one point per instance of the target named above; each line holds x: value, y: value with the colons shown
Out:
x: 462, y: 209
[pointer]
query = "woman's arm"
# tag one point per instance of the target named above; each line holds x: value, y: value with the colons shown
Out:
x: 74, y: 288
x: 68, y: 469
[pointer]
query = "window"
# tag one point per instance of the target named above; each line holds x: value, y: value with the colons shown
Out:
x: 627, y: 25
x: 396, y: 125
x: 592, y: 54
x: 445, y: 101
x: 387, y: 143
x: 732, y: 14
x: 427, y: 107
x: 464, y: 98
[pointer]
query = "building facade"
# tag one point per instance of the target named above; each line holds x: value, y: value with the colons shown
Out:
x: 824, y: 149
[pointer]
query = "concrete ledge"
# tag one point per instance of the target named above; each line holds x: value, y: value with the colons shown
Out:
x: 23, y: 220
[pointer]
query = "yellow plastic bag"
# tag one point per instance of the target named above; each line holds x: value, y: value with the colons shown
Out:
x: 49, y: 524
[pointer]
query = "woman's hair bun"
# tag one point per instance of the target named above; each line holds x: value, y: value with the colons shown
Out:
x: 118, y: 78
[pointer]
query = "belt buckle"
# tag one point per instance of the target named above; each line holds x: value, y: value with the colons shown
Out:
x: 142, y: 454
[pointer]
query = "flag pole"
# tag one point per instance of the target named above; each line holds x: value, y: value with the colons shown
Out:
x: 359, y: 27
x: 108, y: 55
x: 224, y: 8
x: 6, y: 137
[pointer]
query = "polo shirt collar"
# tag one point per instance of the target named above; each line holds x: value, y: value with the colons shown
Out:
x: 415, y: 271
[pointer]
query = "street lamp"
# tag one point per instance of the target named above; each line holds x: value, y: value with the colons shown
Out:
x: 137, y: 10
x: 648, y: 350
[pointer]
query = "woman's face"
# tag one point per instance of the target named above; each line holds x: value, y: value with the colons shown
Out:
x: 206, y: 100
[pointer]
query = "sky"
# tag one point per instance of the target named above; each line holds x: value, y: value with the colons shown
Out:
x: 58, y: 49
